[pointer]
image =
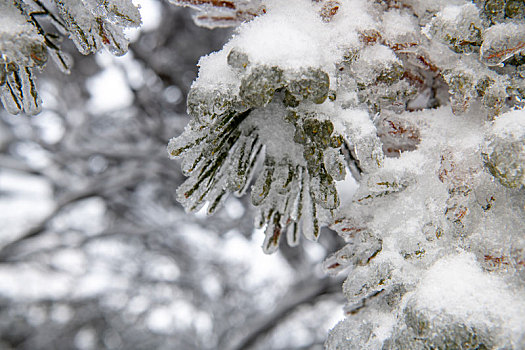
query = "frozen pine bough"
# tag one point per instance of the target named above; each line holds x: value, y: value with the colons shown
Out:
x: 422, y: 103
x: 25, y: 45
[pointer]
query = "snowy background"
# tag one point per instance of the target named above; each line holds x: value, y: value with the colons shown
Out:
x: 95, y: 251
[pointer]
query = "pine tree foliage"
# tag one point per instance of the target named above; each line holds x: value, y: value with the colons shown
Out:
x: 422, y: 101
x: 221, y: 147
x: 30, y: 32
x: 390, y: 69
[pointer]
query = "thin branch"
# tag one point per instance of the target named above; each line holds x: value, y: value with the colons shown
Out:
x: 100, y: 187
x: 306, y: 291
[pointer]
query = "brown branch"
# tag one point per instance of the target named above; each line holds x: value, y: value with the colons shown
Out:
x: 238, y: 16
x: 499, y: 54
x: 214, y: 3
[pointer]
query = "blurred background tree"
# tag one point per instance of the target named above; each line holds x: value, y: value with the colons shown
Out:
x: 95, y: 251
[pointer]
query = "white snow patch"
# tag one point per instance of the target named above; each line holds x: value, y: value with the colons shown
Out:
x: 511, y: 124
x: 456, y: 285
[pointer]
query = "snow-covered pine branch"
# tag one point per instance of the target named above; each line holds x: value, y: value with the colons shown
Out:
x: 423, y: 102
x: 25, y: 45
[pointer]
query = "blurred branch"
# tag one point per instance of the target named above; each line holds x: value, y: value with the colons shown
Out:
x: 99, y: 187
x: 12, y: 163
x: 306, y: 291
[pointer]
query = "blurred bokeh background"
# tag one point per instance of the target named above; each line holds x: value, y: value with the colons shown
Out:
x: 95, y: 251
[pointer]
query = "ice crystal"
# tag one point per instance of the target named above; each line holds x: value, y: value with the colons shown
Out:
x: 222, y: 13
x: 25, y: 46
x: 505, y: 156
x: 265, y: 120
x: 300, y: 93
x: 97, y: 23
x: 22, y: 49
x: 421, y: 101
x: 434, y: 249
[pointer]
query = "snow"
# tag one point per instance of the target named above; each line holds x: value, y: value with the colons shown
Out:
x: 297, y: 33
x: 456, y: 285
x: 510, y: 124
x: 346, y: 189
x: 234, y: 208
x: 502, y: 41
x: 179, y: 314
x: 61, y: 313
x: 292, y: 36
x: 423, y: 200
x: 160, y: 320
x: 450, y: 13
x: 399, y: 27
x: 92, y: 208
x: 431, y: 235
x: 98, y: 282
x: 215, y: 72
x: 358, y: 121
x: 17, y: 36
